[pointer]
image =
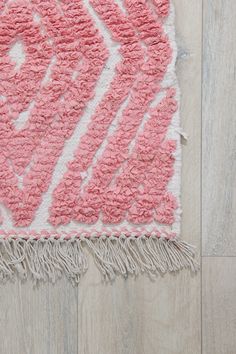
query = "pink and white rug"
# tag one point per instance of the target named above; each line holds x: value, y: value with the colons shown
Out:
x: 90, y: 155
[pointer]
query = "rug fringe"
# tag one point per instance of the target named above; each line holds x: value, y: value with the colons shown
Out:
x: 49, y: 259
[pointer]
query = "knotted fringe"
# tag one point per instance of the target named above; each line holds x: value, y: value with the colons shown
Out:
x: 48, y: 259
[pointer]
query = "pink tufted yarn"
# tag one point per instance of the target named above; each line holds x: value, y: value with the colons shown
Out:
x: 84, y: 38
x: 88, y: 206
x: 64, y: 197
x: 162, y: 7
x: 90, y: 149
x: 142, y: 168
x: 127, y: 180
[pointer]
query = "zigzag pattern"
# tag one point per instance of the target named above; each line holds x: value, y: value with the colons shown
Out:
x: 123, y: 161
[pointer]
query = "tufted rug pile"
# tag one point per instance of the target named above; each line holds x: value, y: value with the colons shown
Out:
x: 90, y: 155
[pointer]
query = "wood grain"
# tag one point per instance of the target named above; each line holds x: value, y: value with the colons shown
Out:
x: 138, y: 316
x: 38, y: 320
x: 219, y: 306
x: 219, y: 128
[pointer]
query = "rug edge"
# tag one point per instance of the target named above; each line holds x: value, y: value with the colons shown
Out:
x: 50, y: 259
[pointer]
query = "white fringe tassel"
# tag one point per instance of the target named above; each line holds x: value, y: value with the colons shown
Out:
x: 48, y: 259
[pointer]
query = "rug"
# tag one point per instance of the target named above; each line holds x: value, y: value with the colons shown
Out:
x: 90, y: 153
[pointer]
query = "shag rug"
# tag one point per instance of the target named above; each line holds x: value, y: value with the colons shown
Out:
x: 90, y: 155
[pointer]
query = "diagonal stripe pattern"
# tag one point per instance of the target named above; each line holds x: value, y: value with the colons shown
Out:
x: 124, y: 157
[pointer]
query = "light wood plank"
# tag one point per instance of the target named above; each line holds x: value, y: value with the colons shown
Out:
x: 137, y: 316
x: 219, y: 128
x: 160, y: 317
x: 219, y: 305
x: 62, y: 318
x: 38, y: 320
x: 23, y: 314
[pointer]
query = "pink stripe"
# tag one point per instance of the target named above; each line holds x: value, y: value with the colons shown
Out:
x: 17, y: 22
x: 154, y: 194
x: 162, y: 7
x: 37, y: 180
x: 21, y: 144
x: 144, y: 91
x: 149, y: 145
x: 126, y: 70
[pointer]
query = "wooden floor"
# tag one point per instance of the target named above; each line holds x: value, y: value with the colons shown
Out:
x: 181, y: 314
